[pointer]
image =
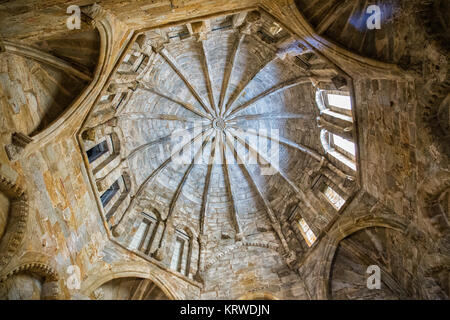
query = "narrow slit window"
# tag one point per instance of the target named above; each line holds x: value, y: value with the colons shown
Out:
x: 146, y: 243
x: 177, y: 257
x: 105, y: 98
x: 97, y: 151
x: 339, y: 101
x: 108, y: 194
x: 306, y: 232
x: 334, y: 198
x: 121, y: 100
x: 344, y: 144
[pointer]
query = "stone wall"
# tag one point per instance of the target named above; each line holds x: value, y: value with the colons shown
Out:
x: 250, y: 270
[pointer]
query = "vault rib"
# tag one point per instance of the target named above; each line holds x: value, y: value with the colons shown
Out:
x: 235, y: 96
x: 331, y: 16
x: 298, y: 192
x: 185, y: 176
x: 307, y: 150
x: 173, y: 99
x: 204, y: 207
x: 173, y: 202
x: 272, y: 116
x: 46, y: 58
x: 272, y: 217
x: 206, y: 70
x: 229, y: 70
x: 281, y: 172
x: 276, y: 89
x: 226, y: 173
x: 141, y: 288
x: 155, y: 116
x: 159, y: 141
x: 205, y: 197
x: 353, y: 13
x: 150, y: 179
x: 172, y: 63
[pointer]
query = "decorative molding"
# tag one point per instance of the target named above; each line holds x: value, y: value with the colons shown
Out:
x: 227, y: 250
x: 50, y: 287
x: 430, y: 193
x: 288, y: 10
x: 347, y: 226
x: 17, y: 220
x: 45, y: 58
x: 74, y: 115
x: 39, y: 268
x: 101, y: 274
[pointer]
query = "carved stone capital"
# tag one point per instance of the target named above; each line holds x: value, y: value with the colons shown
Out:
x: 251, y: 24
x: 117, y: 230
x: 239, y: 237
x: 18, y: 143
x: 159, y: 254
x: 99, y: 294
x: 339, y: 82
x: 290, y: 257
x: 116, y: 87
x: 199, y: 276
x: 94, y: 11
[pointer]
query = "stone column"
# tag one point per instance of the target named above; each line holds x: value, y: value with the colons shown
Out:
x: 160, y: 253
x: 199, y: 276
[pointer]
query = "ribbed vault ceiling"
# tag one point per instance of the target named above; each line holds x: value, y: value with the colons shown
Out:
x: 228, y: 82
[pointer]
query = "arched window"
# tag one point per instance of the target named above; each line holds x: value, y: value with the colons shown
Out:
x: 306, y: 232
x: 339, y: 148
x: 340, y: 102
x: 97, y: 151
x: 144, y: 238
x: 334, y: 198
x: 114, y: 100
x: 344, y: 146
x: 334, y: 101
x: 325, y: 188
x: 181, y: 253
x: 132, y: 62
x: 102, y: 152
x: 110, y: 193
x: 113, y: 197
x: 136, y: 60
x: 337, y: 123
